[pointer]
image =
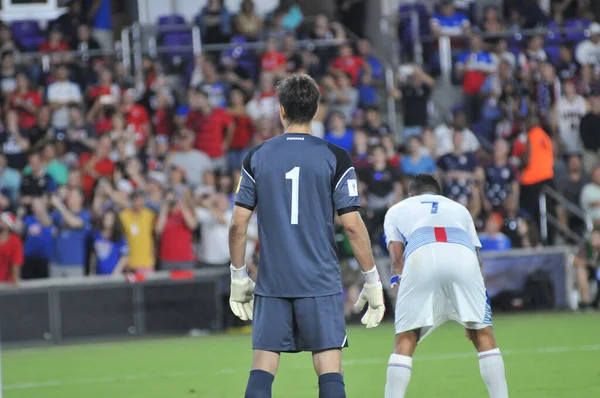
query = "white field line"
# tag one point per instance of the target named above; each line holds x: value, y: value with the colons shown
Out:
x: 352, y: 362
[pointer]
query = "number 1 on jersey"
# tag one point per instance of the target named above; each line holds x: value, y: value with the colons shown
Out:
x: 294, y: 175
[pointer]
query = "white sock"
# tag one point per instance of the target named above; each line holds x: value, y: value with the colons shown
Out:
x: 398, y: 376
x: 491, y: 367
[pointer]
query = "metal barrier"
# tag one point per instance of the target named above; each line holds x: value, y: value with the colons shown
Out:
x: 548, y: 218
x: 62, y: 310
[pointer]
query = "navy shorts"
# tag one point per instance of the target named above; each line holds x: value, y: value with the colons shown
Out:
x: 298, y: 324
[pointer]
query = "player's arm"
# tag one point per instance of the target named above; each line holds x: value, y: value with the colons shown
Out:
x: 396, y: 250
x: 238, y: 235
x: 395, y: 241
x: 358, y: 236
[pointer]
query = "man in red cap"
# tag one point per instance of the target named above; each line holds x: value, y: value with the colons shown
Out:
x: 11, y: 250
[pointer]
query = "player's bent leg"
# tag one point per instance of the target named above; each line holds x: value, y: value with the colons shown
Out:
x: 264, y: 368
x: 491, y: 365
x: 400, y: 364
x: 328, y: 366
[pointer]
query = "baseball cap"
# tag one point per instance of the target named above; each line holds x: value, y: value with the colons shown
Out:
x: 594, y: 28
x: 9, y: 219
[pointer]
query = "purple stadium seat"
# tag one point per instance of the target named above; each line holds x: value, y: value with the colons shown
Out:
x: 28, y: 34
x: 554, y: 36
x: 171, y: 19
x: 173, y: 39
x: 553, y: 53
x: 575, y: 29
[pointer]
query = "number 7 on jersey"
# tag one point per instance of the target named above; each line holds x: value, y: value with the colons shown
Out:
x: 294, y: 175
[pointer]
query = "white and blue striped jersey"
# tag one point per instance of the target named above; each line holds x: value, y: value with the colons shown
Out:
x: 425, y: 219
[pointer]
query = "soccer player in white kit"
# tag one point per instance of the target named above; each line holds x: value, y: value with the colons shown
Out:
x: 436, y: 266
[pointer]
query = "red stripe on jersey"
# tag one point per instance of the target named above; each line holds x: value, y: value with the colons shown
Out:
x: 440, y: 234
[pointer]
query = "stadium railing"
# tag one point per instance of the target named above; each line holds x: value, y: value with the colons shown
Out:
x: 571, y: 209
x: 66, y: 310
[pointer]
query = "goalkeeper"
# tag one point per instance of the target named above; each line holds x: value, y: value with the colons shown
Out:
x: 296, y: 182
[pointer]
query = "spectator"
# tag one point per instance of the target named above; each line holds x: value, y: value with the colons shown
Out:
x: 7, y: 41
x: 10, y: 179
x: 69, y: 21
x: 538, y: 172
x: 215, y: 22
x: 444, y: 135
x: 587, y: 264
x: 136, y: 117
x: 80, y: 136
x: 417, y: 159
x: 175, y: 224
x: 24, y: 101
x: 138, y: 224
x: 365, y: 51
x: 214, y: 215
x: 61, y: 94
x: 567, y: 67
x: 586, y: 81
x: 247, y: 22
x: 492, y: 239
x: 41, y: 129
x: 264, y: 103
x: 341, y: 96
x: 492, y: 22
x: 213, y: 85
x: 349, y: 63
x: 162, y: 120
x: 588, y: 51
x: 473, y: 67
x: 37, y: 183
x: 533, y: 55
x: 52, y: 165
x: 38, y: 245
x: 588, y: 128
x: 383, y: 183
x: 500, y: 178
x: 196, y: 165
x: 568, y: 112
x: 84, y: 42
x: 97, y: 165
x: 8, y: 74
x: 100, y: 16
x: 244, y: 129
x: 11, y: 250
x: 502, y: 53
x: 273, y: 60
x: 295, y: 60
x: 374, y: 124
x: 13, y: 142
x: 360, y: 150
x: 72, y: 223
x: 518, y: 225
x: 110, y: 253
x: 213, y: 128
x: 338, y: 133
x: 547, y: 92
x: 461, y: 172
x: 415, y: 90
x: 449, y: 22
x: 590, y: 196
x: 106, y: 92
x: 55, y: 42
x: 571, y: 187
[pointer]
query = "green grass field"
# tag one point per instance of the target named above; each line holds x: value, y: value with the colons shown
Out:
x: 551, y: 355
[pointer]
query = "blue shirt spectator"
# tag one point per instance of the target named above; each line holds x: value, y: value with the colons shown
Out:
x: 492, y: 239
x: 108, y: 253
x: 499, y: 176
x: 449, y: 22
x: 365, y: 50
x: 416, y: 161
x: 338, y: 133
x: 38, y: 238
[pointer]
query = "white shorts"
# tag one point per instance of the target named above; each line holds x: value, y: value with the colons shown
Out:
x: 441, y: 282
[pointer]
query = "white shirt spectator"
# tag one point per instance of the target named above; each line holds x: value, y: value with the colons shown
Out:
x: 63, y: 92
x: 317, y: 128
x: 214, y: 245
x: 443, y: 135
x: 590, y: 197
x: 588, y: 51
x: 263, y: 107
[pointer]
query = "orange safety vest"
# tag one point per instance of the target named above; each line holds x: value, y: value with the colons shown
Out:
x: 541, y: 158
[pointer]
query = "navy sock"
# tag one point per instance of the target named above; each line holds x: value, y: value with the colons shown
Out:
x: 331, y: 385
x: 259, y: 384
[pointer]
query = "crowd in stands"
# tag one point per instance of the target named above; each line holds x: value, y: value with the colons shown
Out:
x: 102, y: 173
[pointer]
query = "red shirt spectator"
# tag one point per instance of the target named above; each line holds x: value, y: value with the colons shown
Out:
x: 348, y: 63
x: 136, y: 117
x: 163, y: 119
x: 11, y: 248
x: 244, y: 128
x: 96, y: 166
x: 273, y: 59
x: 25, y: 101
x: 209, y: 125
x: 54, y: 43
x: 176, y: 239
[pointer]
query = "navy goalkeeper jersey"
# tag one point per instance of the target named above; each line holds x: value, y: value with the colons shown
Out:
x: 296, y: 182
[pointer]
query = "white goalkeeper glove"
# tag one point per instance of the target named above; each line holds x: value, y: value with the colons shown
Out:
x: 241, y: 297
x: 372, y: 293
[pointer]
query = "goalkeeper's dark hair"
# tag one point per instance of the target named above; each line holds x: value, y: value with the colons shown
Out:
x: 299, y: 96
x: 424, y: 183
